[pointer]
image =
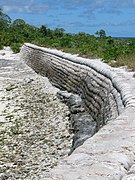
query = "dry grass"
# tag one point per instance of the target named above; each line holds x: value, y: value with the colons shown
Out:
x: 128, y: 61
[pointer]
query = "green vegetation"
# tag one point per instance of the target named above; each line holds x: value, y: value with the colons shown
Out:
x: 115, y: 51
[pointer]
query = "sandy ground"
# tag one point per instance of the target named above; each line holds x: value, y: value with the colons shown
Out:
x: 34, y: 127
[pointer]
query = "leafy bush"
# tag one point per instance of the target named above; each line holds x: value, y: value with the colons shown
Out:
x: 99, y: 46
x: 15, y: 47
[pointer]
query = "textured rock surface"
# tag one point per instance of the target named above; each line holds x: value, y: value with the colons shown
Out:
x: 32, y: 122
x: 109, y: 96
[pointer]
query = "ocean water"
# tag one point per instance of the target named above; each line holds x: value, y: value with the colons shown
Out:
x: 123, y: 37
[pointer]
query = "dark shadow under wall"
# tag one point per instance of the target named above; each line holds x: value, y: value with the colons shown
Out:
x: 81, y: 122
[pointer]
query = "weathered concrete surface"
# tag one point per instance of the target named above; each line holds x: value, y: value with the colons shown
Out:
x: 109, y: 95
x: 109, y: 154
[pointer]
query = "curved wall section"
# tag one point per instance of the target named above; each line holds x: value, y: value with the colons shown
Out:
x: 92, y: 80
x: 106, y: 93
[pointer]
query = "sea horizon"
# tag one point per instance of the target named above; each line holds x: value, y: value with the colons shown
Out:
x: 121, y: 37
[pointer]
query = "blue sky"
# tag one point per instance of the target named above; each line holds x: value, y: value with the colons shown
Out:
x: 116, y: 17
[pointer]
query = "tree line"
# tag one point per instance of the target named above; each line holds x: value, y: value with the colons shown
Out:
x: 111, y: 50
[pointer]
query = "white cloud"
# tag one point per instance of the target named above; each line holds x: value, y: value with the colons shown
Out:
x: 110, y: 11
x: 32, y: 6
x: 37, y: 8
x: 7, y: 8
x: 41, y: 6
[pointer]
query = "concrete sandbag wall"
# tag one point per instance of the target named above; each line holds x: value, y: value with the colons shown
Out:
x: 90, y: 80
x: 108, y: 96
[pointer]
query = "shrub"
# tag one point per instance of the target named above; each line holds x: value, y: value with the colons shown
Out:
x: 15, y: 47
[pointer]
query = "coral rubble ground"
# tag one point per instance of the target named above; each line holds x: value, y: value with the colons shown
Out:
x: 32, y: 121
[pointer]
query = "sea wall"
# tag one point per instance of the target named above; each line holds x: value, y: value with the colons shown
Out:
x: 108, y: 97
